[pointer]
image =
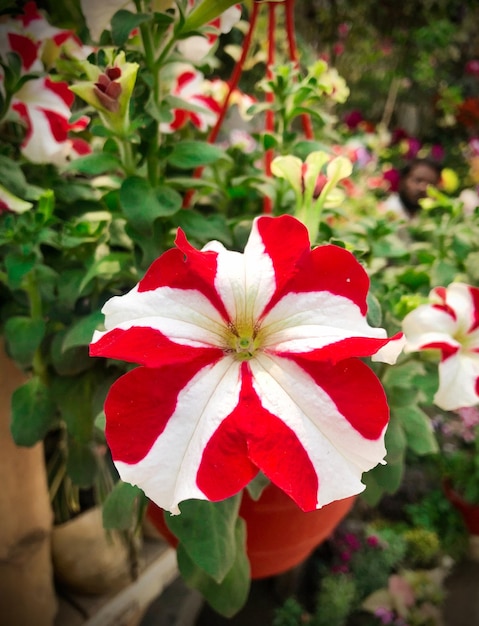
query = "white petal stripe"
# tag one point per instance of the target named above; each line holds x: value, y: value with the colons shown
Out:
x: 184, y: 316
x: 457, y: 382
x: 168, y: 472
x: 308, y: 321
x: 246, y: 282
x: 334, y: 447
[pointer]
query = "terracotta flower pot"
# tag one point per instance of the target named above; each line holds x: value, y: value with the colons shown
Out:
x: 468, y: 511
x: 279, y: 535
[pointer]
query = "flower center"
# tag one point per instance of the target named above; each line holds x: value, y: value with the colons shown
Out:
x: 243, y: 342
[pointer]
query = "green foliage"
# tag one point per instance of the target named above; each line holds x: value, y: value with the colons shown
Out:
x: 228, y: 593
x: 335, y: 600
x: 123, y: 507
x: 210, y: 544
x: 32, y: 412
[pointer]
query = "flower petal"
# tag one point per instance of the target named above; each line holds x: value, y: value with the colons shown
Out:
x: 316, y: 321
x: 458, y: 382
x: 185, y: 405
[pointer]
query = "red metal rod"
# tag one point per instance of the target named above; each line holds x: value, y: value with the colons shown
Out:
x: 269, y: 116
x: 293, y: 53
x: 232, y: 84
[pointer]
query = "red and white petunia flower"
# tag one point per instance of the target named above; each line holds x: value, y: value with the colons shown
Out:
x: 37, y: 42
x: 248, y: 362
x: 43, y: 106
x: 201, y: 109
x: 196, y: 47
x: 450, y: 323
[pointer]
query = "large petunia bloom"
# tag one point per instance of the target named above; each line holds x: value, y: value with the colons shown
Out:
x: 248, y: 363
x: 450, y: 323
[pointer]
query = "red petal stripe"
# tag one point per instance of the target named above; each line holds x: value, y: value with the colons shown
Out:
x: 139, y: 405
x: 250, y: 438
x: 298, y: 269
x: 147, y: 346
x: 356, y: 392
x: 185, y: 268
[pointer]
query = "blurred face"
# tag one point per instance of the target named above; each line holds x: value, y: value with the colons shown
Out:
x: 414, y: 185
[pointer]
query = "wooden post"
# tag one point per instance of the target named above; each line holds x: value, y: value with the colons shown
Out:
x: 27, y: 593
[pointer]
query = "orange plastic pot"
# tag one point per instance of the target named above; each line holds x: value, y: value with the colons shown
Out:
x: 279, y: 534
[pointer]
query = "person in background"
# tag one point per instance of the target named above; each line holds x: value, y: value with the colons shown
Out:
x: 414, y: 180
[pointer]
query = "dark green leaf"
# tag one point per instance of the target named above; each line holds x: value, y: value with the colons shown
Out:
x: 120, y: 509
x: 23, y: 335
x: 82, y: 466
x: 374, y: 311
x: 33, y: 412
x: 123, y: 22
x: 69, y: 362
x: 94, y: 164
x: 12, y: 176
x: 142, y: 204
x: 17, y: 267
x: 202, y: 229
x: 80, y: 334
x: 229, y: 596
x: 191, y: 154
x: 207, y: 532
x: 74, y: 399
x: 395, y: 440
x: 418, y: 429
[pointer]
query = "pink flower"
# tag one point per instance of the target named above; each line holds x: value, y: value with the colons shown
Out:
x: 353, y: 119
x: 392, y: 177
x: 450, y: 324
x: 472, y: 67
x: 248, y: 362
x: 43, y: 106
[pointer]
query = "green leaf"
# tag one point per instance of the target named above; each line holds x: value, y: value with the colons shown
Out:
x: 374, y: 311
x: 230, y: 595
x: 23, y: 335
x: 142, y: 204
x: 69, y: 362
x: 74, y: 399
x: 107, y: 268
x: 82, y: 466
x: 443, y: 273
x: 80, y: 334
x: 201, y: 228
x: 205, y: 12
x: 419, y: 432
x: 12, y: 176
x: 191, y: 154
x: 123, y: 22
x: 120, y: 509
x: 472, y: 266
x: 94, y: 164
x: 18, y: 266
x: 33, y: 412
x: 207, y: 532
x: 404, y: 375
x: 395, y: 440
x: 389, y: 477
